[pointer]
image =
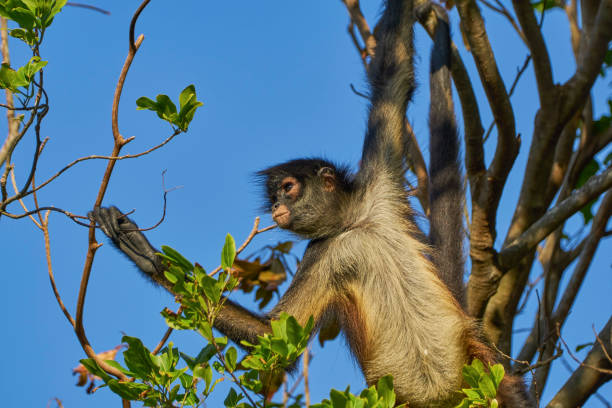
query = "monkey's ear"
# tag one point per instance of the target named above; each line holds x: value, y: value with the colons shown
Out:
x: 329, y: 178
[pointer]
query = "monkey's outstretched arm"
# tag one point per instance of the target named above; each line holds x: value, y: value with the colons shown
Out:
x: 305, y: 297
x: 391, y: 80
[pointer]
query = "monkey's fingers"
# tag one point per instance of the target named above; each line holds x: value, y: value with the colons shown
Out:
x: 107, y: 219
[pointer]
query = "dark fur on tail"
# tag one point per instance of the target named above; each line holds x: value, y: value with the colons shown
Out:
x: 446, y: 195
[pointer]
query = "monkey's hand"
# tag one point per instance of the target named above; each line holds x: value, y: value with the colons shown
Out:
x: 125, y: 235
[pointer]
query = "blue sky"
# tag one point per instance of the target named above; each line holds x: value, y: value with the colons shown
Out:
x: 274, y: 78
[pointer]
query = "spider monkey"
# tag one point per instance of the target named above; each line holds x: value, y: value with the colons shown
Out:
x: 365, y: 266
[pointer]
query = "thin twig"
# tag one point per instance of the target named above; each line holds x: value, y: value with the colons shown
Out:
x: 501, y: 9
x: 592, y: 367
x: 45, y: 229
x: 514, y: 83
x: 306, y: 363
x: 166, y: 335
x: 95, y: 156
x: 165, y: 203
x: 531, y: 287
x: 247, y: 241
x: 603, y: 347
x: 359, y: 93
x: 87, y: 6
x: 70, y: 215
x: 14, y: 182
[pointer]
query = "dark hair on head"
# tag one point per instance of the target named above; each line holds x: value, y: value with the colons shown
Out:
x: 301, y: 169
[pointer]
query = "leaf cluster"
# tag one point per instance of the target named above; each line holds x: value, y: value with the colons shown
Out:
x: 483, y: 385
x: 33, y: 17
x: 166, y: 109
x: 22, y: 78
x: 379, y: 396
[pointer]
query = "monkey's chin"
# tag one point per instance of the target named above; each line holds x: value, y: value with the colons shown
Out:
x: 282, y: 219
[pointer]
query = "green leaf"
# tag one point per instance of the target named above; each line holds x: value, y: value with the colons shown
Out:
x: 465, y: 403
x: 230, y: 358
x: 9, y: 79
x: 127, y: 390
x: 470, y: 375
x: 543, y: 5
x: 232, y: 398
x: 494, y: 403
x: 477, y: 364
x: 587, y: 211
x: 22, y: 16
x: 211, y: 290
x: 118, y: 366
x: 294, y: 331
x: 338, y: 399
x: 186, y: 95
x: 473, y: 393
x: 587, y: 172
x: 385, y: 390
x: 497, y: 373
x: 171, y: 277
x: 27, y: 36
x: 228, y: 253
x: 138, y: 358
x: 583, y: 346
x: 93, y: 367
x: 162, y: 105
x: 487, y: 387
x: 279, y: 346
x: 218, y: 367
x: 178, y: 259
x: 188, y: 105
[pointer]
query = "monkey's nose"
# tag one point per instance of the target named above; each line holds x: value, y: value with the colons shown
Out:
x: 275, y: 206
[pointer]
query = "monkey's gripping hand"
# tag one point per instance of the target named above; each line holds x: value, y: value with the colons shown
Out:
x: 125, y: 235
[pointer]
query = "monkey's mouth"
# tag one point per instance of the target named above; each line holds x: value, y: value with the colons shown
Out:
x: 281, y: 218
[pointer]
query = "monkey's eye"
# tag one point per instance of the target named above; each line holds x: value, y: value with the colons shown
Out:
x: 287, y: 187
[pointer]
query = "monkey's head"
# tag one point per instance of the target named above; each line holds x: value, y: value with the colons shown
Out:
x: 304, y: 195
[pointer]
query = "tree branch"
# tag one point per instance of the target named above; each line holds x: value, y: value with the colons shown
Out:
x: 585, y: 381
x: 537, y: 47
x: 359, y: 20
x: 517, y: 249
x: 93, y: 244
x: 591, y: 56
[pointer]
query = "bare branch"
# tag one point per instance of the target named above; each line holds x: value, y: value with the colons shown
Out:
x: 535, y: 41
x: 60, y: 302
x: 597, y: 231
x: 501, y: 9
x: 93, y: 244
x: 472, y: 25
x: 519, y: 73
x: 585, y: 381
x: 591, y: 56
x: 13, y: 126
x: 516, y: 250
x: 359, y: 20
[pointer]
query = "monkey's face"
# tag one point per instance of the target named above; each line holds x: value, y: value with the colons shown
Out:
x: 288, y: 192
x: 304, y: 195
